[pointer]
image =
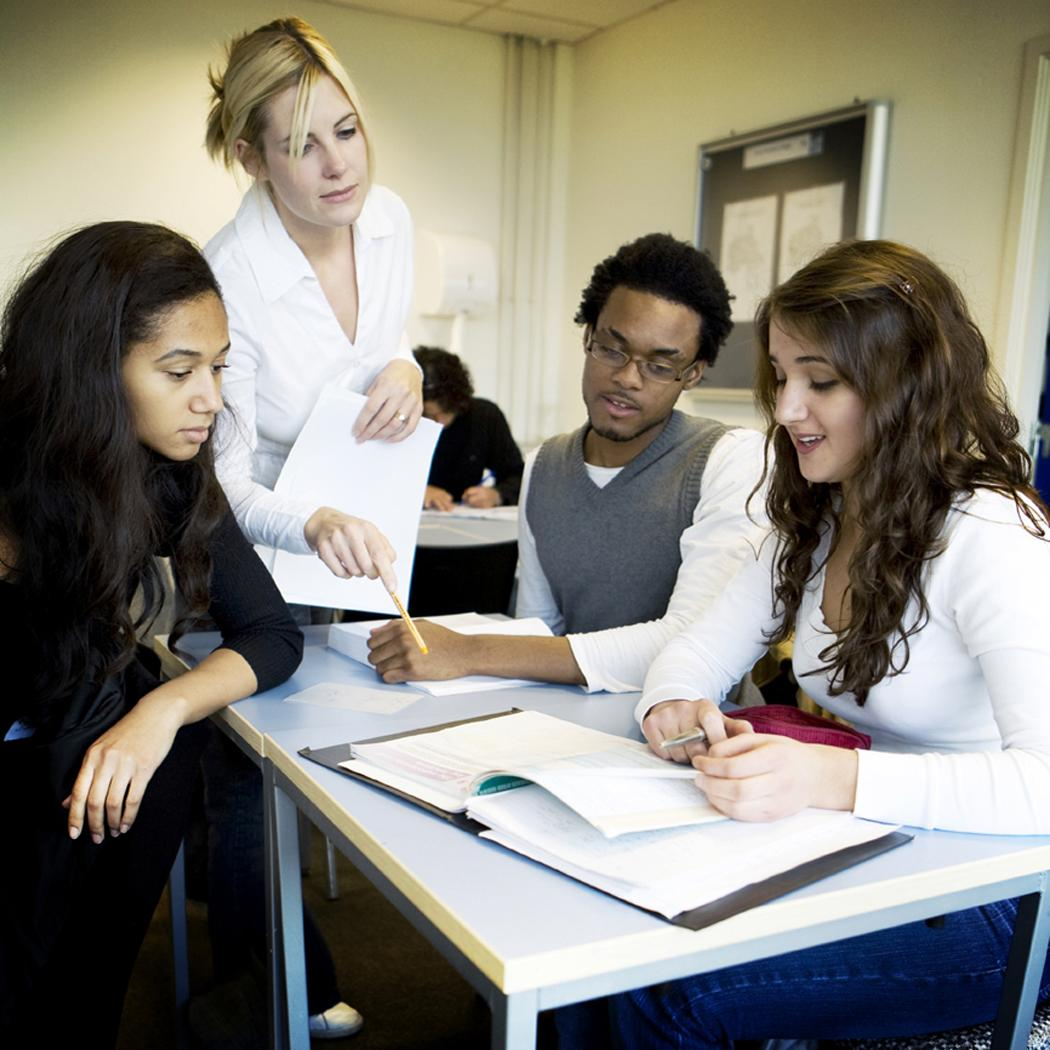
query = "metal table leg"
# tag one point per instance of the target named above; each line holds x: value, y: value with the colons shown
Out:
x: 514, y: 1021
x: 289, y: 1021
x: 1024, y: 970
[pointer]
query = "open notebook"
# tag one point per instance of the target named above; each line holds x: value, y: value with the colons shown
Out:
x: 602, y: 810
x: 351, y: 639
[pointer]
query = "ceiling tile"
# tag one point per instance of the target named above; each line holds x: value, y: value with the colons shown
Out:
x: 502, y: 21
x: 594, y: 12
x: 451, y: 11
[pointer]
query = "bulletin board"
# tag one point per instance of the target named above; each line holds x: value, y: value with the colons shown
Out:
x: 768, y: 201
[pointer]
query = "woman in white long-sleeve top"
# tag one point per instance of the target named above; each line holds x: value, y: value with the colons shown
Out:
x: 316, y: 273
x: 910, y: 559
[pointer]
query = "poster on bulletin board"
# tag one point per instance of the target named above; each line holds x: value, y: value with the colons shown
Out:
x: 770, y: 200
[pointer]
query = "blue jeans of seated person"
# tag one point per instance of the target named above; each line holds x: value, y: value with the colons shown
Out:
x: 233, y: 806
x: 910, y: 980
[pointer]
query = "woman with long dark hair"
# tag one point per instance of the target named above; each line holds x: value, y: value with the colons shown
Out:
x: 910, y: 561
x: 110, y: 373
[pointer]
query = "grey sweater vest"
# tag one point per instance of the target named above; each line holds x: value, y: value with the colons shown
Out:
x: 611, y: 555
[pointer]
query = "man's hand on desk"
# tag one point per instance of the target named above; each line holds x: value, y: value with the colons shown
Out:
x: 435, y: 498
x: 396, y: 657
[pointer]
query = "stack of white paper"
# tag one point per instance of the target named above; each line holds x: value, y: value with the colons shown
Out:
x: 669, y: 871
x: 351, y: 639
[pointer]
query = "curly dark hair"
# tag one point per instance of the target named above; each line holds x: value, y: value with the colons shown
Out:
x: 673, y: 270
x: 84, y: 506
x: 937, y: 426
x: 446, y: 379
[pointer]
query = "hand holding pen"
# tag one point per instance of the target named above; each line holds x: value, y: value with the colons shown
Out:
x: 485, y: 493
x: 679, y: 729
x: 413, y: 630
x: 686, y: 737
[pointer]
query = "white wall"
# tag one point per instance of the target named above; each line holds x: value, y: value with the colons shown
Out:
x: 648, y: 92
x: 104, y: 103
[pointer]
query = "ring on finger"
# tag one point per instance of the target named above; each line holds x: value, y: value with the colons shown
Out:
x: 402, y: 419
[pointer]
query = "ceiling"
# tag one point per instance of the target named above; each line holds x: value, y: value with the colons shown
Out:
x: 568, y: 21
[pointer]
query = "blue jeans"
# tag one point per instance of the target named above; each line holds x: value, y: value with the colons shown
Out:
x: 910, y: 980
x: 233, y: 806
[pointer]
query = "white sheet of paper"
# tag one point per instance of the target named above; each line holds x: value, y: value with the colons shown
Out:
x: 670, y: 870
x: 379, y: 481
x: 748, y: 233
x: 354, y: 698
x: 812, y: 220
x: 351, y: 639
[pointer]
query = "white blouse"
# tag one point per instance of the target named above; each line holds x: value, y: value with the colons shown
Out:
x: 961, y: 738
x: 286, y: 344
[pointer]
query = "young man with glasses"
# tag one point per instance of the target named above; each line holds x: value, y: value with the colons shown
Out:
x: 633, y: 524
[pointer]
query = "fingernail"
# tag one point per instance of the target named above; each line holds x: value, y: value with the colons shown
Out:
x: 125, y: 828
x: 113, y: 832
x: 74, y: 833
x: 96, y: 838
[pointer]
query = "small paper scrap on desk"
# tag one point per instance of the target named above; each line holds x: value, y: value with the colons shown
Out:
x: 355, y: 698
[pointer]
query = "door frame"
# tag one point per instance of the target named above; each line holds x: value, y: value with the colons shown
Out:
x: 1023, y: 310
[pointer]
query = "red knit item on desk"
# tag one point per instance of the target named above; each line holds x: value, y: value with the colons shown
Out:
x: 801, y: 725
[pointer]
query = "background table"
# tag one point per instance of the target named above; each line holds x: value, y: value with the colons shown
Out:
x: 464, y: 564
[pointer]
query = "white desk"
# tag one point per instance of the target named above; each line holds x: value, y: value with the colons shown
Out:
x: 438, y: 529
x: 529, y: 939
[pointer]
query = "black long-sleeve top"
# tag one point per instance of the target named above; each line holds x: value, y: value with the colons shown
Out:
x: 474, y: 441
x: 245, y: 604
x: 248, y: 608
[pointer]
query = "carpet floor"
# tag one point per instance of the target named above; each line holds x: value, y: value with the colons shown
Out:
x: 411, y: 999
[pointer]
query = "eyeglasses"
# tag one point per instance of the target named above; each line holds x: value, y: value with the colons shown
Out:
x: 655, y: 371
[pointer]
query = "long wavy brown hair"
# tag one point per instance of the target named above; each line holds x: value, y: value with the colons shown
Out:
x: 937, y: 426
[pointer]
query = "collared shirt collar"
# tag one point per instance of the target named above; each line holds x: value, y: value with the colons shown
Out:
x: 373, y: 222
x: 276, y: 260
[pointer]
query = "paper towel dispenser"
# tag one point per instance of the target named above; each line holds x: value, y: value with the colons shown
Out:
x: 454, y: 274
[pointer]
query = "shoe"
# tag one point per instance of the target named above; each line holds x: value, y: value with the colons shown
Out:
x: 337, y: 1022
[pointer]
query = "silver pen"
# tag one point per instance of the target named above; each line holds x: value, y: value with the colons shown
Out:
x: 696, y: 733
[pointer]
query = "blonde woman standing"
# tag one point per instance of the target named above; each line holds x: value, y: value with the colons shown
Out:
x: 316, y: 274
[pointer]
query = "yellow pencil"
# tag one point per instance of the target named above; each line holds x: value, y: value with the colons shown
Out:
x: 411, y: 626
